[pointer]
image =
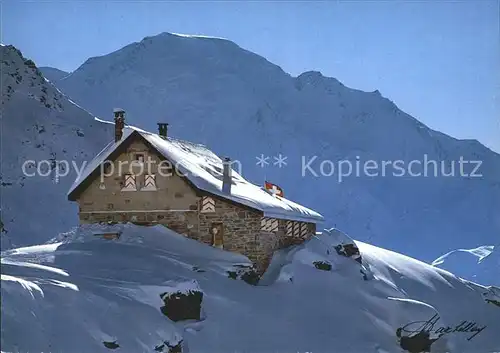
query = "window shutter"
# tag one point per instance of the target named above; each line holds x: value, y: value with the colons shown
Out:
x: 207, y: 204
x: 129, y: 182
x: 296, y: 229
x: 269, y: 224
x: 303, y: 229
x: 150, y: 181
x: 289, y: 229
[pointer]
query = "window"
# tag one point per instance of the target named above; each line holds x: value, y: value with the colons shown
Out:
x: 139, y: 157
x: 217, y: 232
x: 207, y: 204
x: 269, y: 224
x: 149, y: 182
x: 129, y: 183
x: 297, y: 229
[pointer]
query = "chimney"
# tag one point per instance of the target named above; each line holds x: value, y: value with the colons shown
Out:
x: 226, y: 176
x: 162, y: 129
x: 119, y: 123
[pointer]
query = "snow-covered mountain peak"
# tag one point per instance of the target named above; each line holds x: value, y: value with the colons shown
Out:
x: 155, y: 56
x: 196, y: 36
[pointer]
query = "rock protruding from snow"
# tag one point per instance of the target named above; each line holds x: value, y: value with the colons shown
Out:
x: 182, y: 301
x: 492, y: 295
x: 322, y: 265
x: 245, y: 273
x: 345, y: 244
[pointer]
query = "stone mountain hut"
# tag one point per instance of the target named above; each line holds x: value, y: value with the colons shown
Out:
x: 150, y: 179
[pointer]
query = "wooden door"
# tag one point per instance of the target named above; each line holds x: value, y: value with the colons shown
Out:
x: 217, y: 231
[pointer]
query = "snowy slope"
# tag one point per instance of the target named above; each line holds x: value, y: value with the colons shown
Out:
x: 481, y: 264
x: 82, y: 291
x: 237, y: 103
x: 39, y: 126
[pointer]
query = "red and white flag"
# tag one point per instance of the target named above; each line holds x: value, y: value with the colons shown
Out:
x: 273, y: 189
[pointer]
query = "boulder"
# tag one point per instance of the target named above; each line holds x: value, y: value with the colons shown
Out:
x: 345, y: 244
x: 492, y: 296
x: 111, y: 345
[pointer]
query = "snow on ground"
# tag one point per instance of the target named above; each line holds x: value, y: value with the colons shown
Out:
x: 83, y: 293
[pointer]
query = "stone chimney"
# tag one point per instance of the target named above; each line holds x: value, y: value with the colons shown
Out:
x: 163, y: 129
x: 119, y: 123
x: 226, y: 176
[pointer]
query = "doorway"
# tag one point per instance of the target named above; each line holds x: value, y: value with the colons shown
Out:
x: 217, y: 232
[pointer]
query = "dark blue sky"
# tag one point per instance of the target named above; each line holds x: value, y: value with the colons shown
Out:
x: 439, y: 61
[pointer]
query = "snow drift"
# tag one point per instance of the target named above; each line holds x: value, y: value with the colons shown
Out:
x: 85, y: 293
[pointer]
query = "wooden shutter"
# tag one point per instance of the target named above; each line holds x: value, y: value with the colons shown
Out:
x: 303, y: 229
x: 129, y: 182
x: 269, y: 224
x: 289, y: 229
x: 207, y: 204
x: 150, y: 181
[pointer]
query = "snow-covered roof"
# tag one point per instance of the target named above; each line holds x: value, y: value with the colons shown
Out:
x: 204, y: 170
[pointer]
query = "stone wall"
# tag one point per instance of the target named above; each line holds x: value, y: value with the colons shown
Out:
x: 241, y: 225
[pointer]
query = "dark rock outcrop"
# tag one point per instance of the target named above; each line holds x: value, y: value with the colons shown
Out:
x: 418, y: 343
x: 182, y: 305
x: 323, y: 265
x: 349, y: 250
x: 167, y: 347
x: 111, y: 345
x: 492, y: 296
x: 245, y: 273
